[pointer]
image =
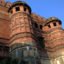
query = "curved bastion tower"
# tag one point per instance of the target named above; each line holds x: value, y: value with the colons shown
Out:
x: 22, y: 39
x: 29, y: 38
x: 54, y: 40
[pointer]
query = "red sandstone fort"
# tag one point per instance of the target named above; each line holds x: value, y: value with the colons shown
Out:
x: 28, y: 36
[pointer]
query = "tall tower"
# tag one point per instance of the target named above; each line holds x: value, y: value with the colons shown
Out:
x: 22, y: 42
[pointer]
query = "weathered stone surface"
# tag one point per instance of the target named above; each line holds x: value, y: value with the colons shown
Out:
x: 22, y: 27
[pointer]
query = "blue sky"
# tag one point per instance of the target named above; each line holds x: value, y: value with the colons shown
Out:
x: 47, y: 8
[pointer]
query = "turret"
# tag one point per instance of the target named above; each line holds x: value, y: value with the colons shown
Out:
x: 22, y: 42
x: 52, y: 23
x: 53, y: 36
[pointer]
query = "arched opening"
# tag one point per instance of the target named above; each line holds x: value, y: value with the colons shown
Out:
x: 54, y: 24
x: 36, y: 25
x: 17, y: 8
x: 49, y: 26
x: 25, y: 9
x: 40, y: 26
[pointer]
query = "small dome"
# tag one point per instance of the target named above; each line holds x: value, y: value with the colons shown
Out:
x: 19, y: 3
x: 52, y: 19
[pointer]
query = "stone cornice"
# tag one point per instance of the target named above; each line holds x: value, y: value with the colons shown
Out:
x: 21, y: 35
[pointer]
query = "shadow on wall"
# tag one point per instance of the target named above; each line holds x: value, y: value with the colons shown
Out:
x: 40, y: 43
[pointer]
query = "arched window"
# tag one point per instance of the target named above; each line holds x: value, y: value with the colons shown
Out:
x: 17, y: 9
x: 36, y: 25
x: 49, y: 26
x: 40, y: 26
x: 24, y: 8
x: 54, y: 24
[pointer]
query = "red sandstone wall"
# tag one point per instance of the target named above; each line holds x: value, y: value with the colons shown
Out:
x: 4, y: 27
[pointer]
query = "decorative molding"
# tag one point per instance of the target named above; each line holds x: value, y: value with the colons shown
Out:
x: 21, y: 35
